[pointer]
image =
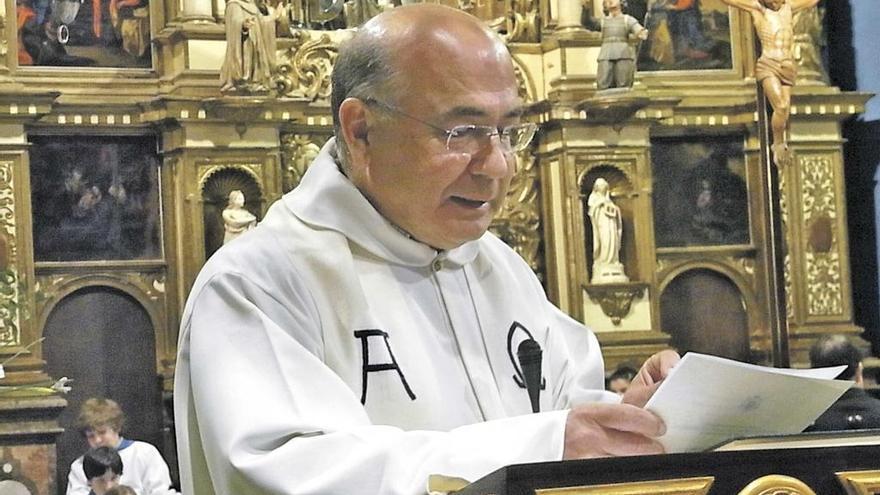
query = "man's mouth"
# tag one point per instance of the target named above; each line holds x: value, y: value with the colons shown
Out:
x: 467, y: 203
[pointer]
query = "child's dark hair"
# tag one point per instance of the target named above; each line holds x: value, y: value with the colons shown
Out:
x: 97, y: 461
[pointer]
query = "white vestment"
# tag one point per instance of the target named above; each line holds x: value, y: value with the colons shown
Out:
x: 282, y: 325
x: 143, y: 469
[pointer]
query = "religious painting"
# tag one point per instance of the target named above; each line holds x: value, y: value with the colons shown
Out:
x: 95, y: 198
x: 700, y: 192
x: 71, y: 33
x: 685, y: 35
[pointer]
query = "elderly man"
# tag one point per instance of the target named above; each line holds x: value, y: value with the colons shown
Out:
x: 855, y: 409
x: 359, y: 338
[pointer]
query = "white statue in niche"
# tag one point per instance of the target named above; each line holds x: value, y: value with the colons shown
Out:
x: 607, y: 226
x: 236, y: 219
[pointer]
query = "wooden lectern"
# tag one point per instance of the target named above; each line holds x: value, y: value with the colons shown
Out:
x: 831, y: 470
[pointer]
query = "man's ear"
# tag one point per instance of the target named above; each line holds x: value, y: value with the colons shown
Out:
x: 353, y: 124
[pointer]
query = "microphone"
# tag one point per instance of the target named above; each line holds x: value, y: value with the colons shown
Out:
x: 529, y: 354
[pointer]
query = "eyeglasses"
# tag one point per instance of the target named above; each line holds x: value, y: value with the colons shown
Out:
x: 473, y: 139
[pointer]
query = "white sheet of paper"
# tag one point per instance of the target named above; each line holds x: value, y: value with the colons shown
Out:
x: 707, y: 400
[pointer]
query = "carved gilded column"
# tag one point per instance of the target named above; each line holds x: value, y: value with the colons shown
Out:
x: 818, y: 284
x: 19, y: 337
x: 568, y: 16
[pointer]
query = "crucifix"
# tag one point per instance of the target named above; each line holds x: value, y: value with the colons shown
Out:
x: 776, y: 69
x: 775, y: 73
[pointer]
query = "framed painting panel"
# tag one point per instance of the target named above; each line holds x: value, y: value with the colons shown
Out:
x: 95, y: 198
x: 72, y: 33
x: 686, y: 35
x: 700, y: 192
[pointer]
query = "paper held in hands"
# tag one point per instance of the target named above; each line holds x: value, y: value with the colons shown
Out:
x: 707, y: 400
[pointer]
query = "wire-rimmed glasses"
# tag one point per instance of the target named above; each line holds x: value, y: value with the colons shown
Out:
x: 471, y: 138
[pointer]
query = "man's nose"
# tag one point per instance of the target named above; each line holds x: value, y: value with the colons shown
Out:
x: 493, y: 160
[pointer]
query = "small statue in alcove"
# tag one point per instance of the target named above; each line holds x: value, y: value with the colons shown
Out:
x: 236, y: 219
x: 607, y: 227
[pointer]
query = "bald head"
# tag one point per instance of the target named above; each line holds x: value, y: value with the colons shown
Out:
x: 393, y: 50
x: 425, y: 32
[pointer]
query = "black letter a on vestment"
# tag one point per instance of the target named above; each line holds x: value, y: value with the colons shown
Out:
x: 367, y: 367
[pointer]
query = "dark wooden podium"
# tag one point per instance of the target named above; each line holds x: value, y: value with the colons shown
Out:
x: 802, y: 471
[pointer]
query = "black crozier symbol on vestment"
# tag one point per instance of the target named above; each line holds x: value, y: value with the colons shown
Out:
x: 518, y: 377
x: 367, y: 368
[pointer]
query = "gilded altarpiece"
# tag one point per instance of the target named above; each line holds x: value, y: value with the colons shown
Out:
x: 267, y: 141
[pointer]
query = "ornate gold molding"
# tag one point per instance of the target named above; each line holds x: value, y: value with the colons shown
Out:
x: 525, y: 85
x: 519, y: 221
x: 777, y: 484
x: 297, y: 152
x: 822, y: 263
x: 787, y: 234
x: 860, y: 482
x: 615, y: 299
x: 10, y: 314
x: 4, y: 44
x: 147, y: 287
x: 520, y: 25
x: 682, y: 486
x: 303, y: 69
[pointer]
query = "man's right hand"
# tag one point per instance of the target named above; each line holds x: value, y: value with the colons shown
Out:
x: 605, y: 430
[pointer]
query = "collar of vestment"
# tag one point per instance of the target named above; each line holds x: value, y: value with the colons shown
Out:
x: 326, y: 199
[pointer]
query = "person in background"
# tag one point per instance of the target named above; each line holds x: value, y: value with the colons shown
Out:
x: 855, y: 409
x: 102, y: 468
x: 620, y: 379
x: 100, y: 421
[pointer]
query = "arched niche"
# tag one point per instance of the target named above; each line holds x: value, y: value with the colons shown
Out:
x: 621, y: 193
x: 103, y: 339
x: 215, y: 197
x: 704, y: 311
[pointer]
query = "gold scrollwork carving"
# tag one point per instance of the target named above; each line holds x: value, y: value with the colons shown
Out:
x: 7, y: 209
x: 681, y: 486
x: 520, y: 24
x: 304, y: 68
x: 748, y: 266
x: 297, y: 152
x: 152, y: 284
x: 822, y: 266
x: 786, y: 259
x: 661, y: 265
x: 860, y: 482
x: 525, y: 87
x: 777, y: 484
x: 615, y: 299
x: 10, y: 282
x: 519, y: 221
